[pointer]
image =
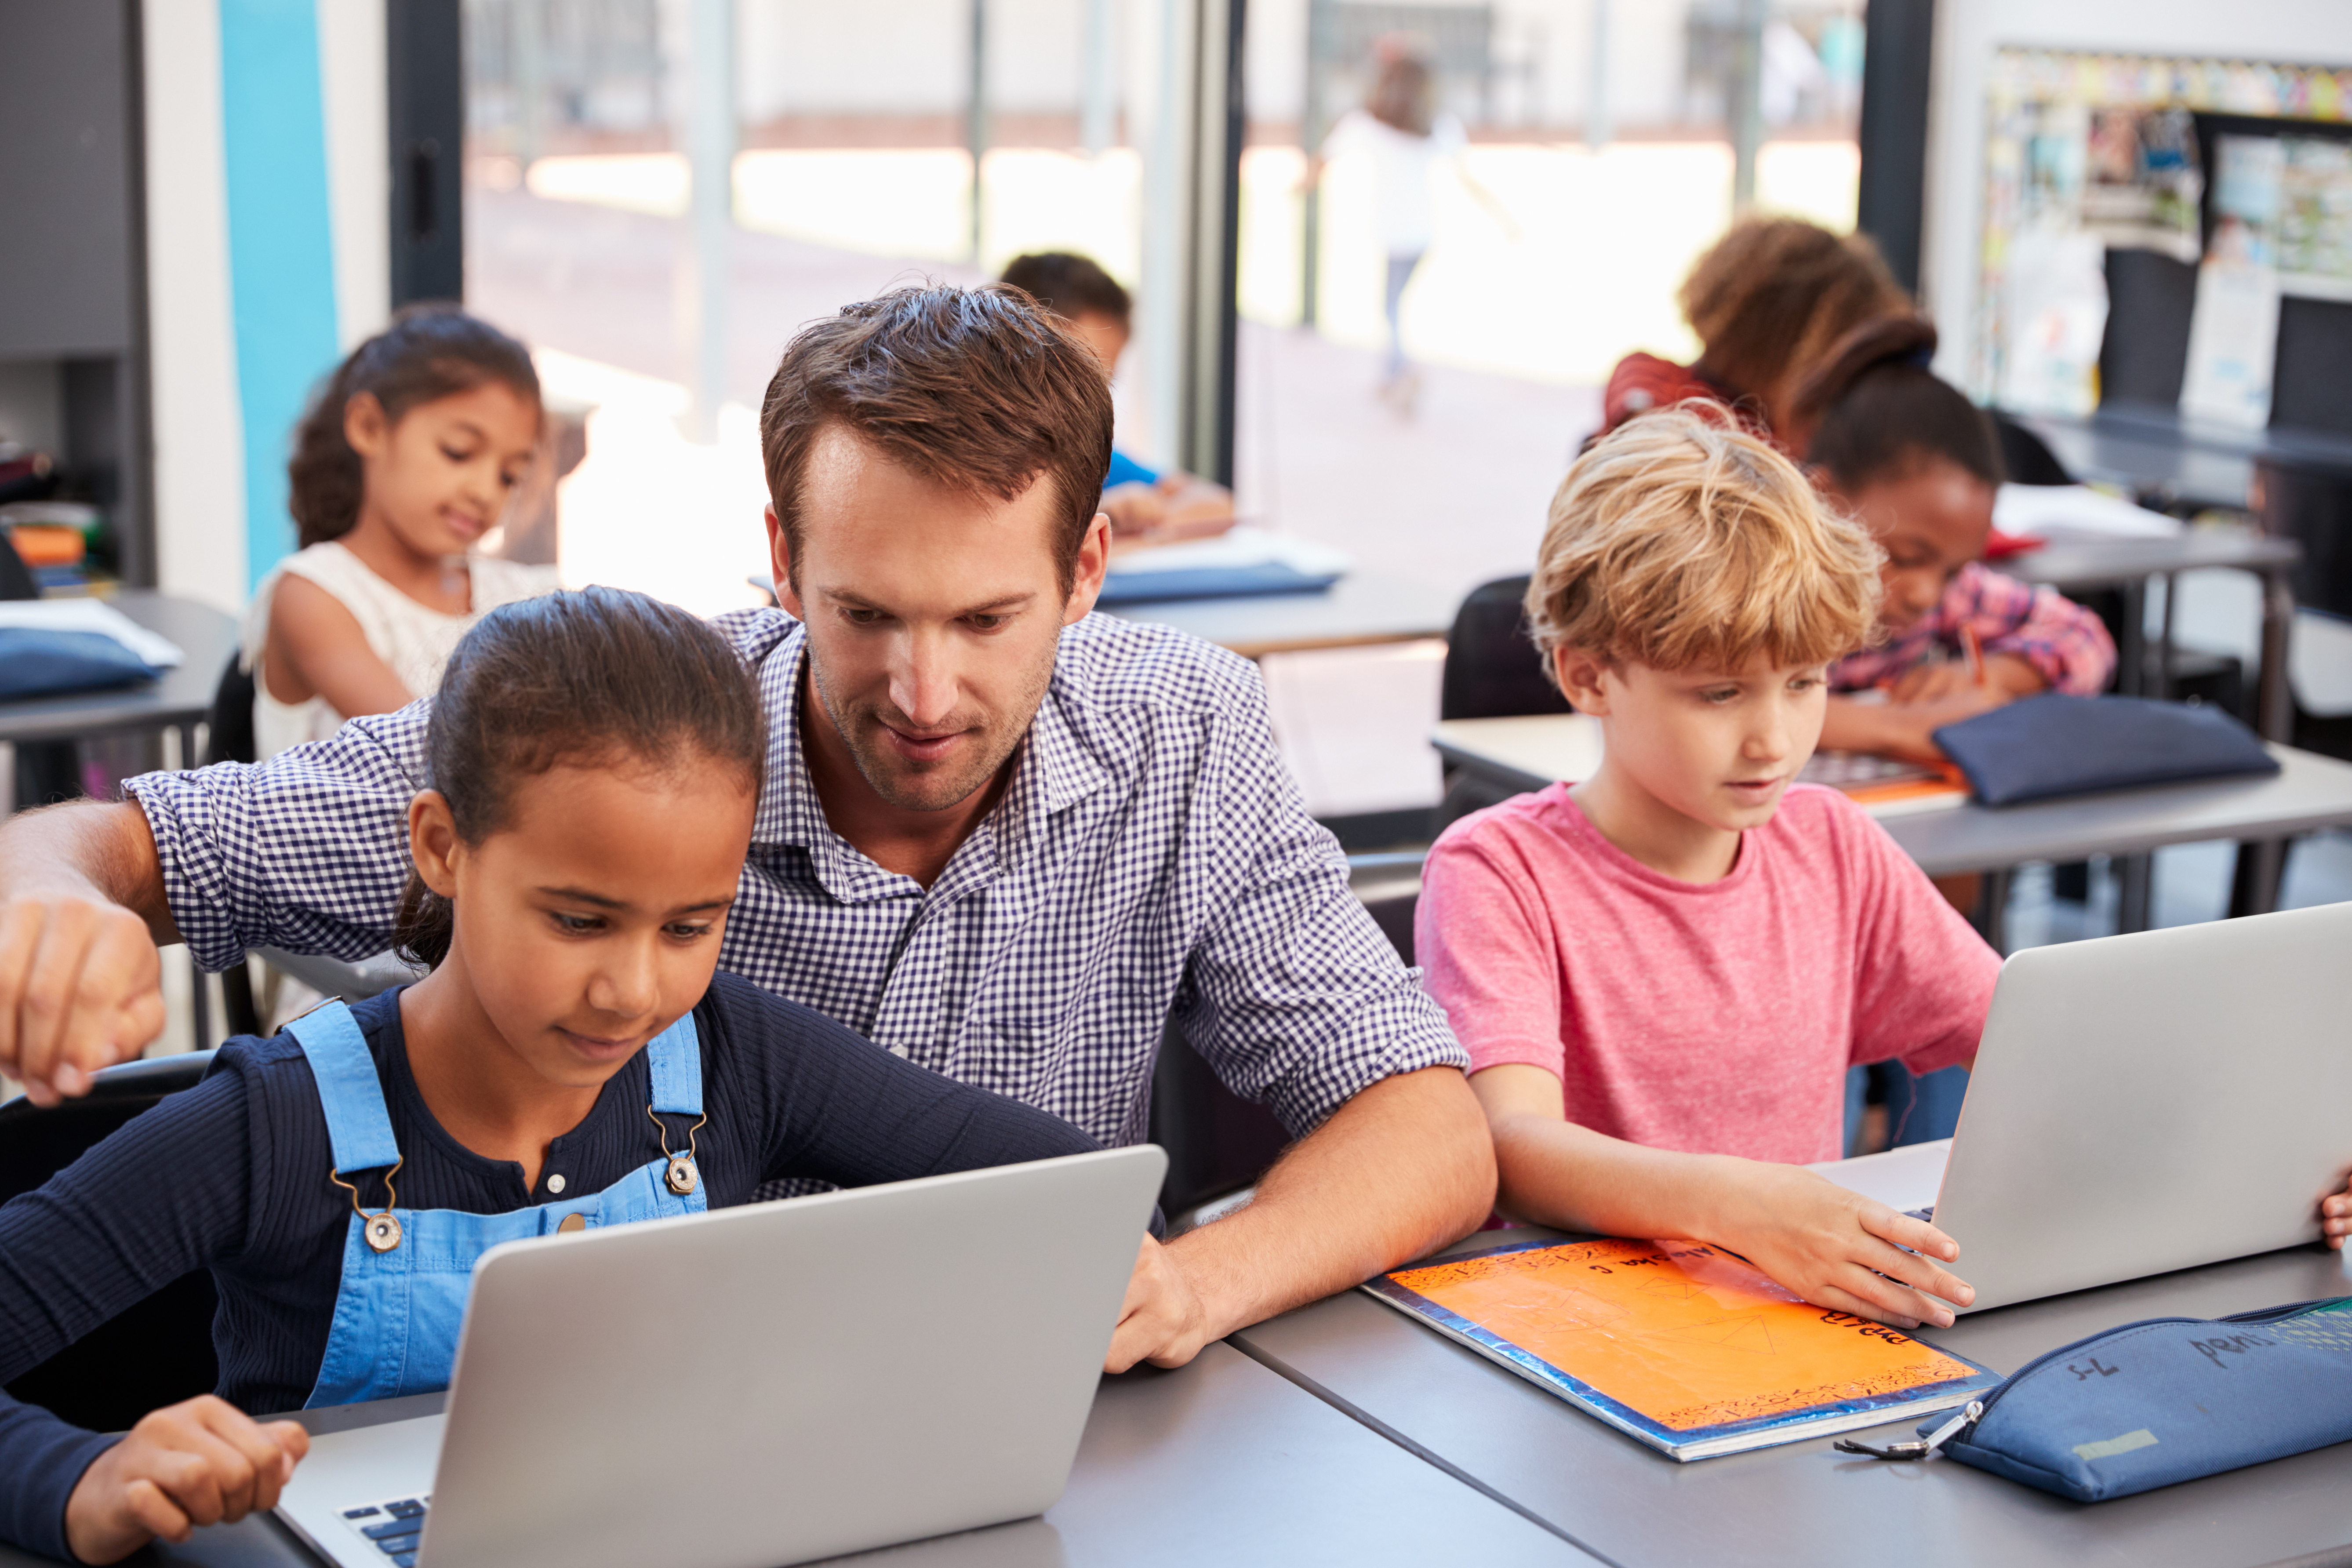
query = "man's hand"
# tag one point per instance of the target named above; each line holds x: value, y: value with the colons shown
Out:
x: 80, y: 988
x: 81, y: 914
x: 1162, y: 1321
x: 1836, y: 1248
x: 202, y: 1461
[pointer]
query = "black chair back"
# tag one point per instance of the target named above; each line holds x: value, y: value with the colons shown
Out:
x: 16, y: 578
x: 2026, y: 457
x: 230, y: 717
x: 161, y: 1351
x: 1492, y: 668
x: 1218, y: 1142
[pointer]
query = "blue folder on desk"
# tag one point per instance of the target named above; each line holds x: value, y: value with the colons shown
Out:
x: 1242, y: 562
x: 2051, y: 746
x: 39, y: 662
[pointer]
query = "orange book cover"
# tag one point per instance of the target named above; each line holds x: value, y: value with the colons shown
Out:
x: 1685, y: 1346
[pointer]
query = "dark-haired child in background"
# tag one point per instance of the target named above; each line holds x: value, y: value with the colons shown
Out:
x: 408, y: 456
x: 1919, y: 465
x: 1146, y: 505
x: 572, y: 1060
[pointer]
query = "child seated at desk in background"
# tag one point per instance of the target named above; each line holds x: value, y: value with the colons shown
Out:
x: 406, y: 459
x: 1662, y: 974
x: 572, y: 1060
x: 1919, y: 466
x: 1146, y: 507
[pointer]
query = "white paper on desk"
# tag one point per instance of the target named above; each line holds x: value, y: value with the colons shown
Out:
x: 1240, y: 545
x: 2058, y: 511
x: 92, y: 616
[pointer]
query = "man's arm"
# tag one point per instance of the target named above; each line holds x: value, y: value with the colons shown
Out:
x: 1403, y: 1168
x: 81, y: 914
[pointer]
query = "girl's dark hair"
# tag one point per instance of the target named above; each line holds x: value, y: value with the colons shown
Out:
x: 429, y: 352
x: 1882, y: 411
x: 593, y: 677
x: 1769, y: 299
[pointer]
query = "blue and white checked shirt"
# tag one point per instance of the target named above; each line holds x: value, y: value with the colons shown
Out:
x: 1152, y: 853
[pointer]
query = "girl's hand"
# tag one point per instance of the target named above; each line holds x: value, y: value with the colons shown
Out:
x: 1839, y: 1250
x: 2005, y: 675
x: 202, y: 1461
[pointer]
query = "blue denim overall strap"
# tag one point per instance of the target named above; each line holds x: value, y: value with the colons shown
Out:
x: 399, y: 1307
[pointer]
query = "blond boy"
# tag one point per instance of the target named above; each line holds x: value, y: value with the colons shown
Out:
x: 1662, y: 974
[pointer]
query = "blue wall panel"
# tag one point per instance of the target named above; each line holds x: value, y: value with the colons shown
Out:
x: 281, y: 245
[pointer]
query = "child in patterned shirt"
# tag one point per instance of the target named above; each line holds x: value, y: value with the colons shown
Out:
x: 1918, y: 465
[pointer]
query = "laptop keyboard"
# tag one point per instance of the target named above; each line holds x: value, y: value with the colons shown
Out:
x: 1925, y: 1217
x: 394, y: 1527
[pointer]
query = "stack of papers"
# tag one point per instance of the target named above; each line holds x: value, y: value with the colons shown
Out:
x: 2075, y: 513
x: 91, y: 615
x: 1241, y: 561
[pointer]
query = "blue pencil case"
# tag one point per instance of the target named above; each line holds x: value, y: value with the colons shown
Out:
x: 2051, y: 746
x: 2152, y: 1402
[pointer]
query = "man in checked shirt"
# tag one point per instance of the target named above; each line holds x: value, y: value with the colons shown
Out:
x: 997, y: 834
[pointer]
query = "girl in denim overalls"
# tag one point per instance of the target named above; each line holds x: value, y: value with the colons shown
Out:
x: 572, y: 1061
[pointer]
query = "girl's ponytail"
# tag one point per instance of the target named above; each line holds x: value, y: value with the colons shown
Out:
x: 429, y: 352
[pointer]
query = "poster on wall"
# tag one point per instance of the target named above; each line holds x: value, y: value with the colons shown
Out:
x: 2087, y: 153
x: 2233, y: 333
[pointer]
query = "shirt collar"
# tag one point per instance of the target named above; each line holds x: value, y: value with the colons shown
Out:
x: 1054, y: 768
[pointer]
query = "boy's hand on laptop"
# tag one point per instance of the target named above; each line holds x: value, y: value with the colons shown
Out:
x: 80, y: 988
x: 1839, y: 1250
x: 2335, y: 1215
x: 202, y: 1461
x: 1164, y: 1319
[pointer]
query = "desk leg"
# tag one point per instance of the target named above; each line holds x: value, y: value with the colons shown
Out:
x: 2131, y: 656
x: 200, y: 1007
x: 2254, y: 885
x: 1991, y: 918
x: 2273, y: 697
x: 2135, y: 890
x: 2163, y: 691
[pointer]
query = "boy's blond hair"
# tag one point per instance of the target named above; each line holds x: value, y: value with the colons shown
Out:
x: 1681, y: 541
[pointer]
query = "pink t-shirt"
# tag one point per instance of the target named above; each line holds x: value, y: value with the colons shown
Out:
x: 1717, y: 1019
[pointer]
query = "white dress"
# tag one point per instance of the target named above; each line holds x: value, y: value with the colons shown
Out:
x: 415, y: 641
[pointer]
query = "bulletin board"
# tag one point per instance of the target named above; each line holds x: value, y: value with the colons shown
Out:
x: 2240, y: 173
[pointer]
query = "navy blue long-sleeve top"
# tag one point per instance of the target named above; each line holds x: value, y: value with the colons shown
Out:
x: 233, y: 1176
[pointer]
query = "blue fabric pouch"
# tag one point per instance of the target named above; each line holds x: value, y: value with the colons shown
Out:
x: 2046, y: 747
x: 35, y: 663
x: 2167, y: 1400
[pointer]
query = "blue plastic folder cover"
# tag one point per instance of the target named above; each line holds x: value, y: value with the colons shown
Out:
x: 2051, y: 746
x: 1687, y: 1347
x: 2169, y: 1400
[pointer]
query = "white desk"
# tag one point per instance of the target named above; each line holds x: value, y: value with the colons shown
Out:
x: 2308, y: 793
x: 1361, y: 609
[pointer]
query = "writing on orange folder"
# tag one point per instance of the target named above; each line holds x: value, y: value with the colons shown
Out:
x: 1684, y: 1333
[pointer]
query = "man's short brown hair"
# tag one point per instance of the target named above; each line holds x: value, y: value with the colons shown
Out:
x: 976, y: 389
x: 1681, y: 541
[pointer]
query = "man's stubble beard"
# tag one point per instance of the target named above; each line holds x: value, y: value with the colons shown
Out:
x: 888, y: 774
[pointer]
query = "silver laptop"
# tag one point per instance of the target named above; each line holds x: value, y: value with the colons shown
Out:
x: 2144, y: 1103
x: 758, y: 1385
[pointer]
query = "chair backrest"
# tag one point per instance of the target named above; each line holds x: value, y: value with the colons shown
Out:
x: 230, y: 717
x: 17, y: 579
x: 160, y: 1351
x: 1218, y: 1142
x: 1492, y: 668
x: 2027, y: 457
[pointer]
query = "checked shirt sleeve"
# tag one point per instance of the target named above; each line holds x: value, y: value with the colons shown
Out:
x: 308, y: 851
x: 1293, y: 994
x: 2066, y: 643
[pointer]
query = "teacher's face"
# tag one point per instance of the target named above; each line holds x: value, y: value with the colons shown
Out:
x: 932, y: 616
